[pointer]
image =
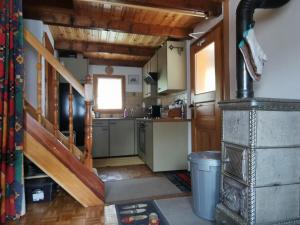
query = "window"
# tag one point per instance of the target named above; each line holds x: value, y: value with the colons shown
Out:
x: 205, y: 75
x: 109, y: 93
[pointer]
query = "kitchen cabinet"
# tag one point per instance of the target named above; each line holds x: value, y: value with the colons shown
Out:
x: 166, y: 145
x: 100, y: 139
x: 150, y: 90
x: 121, y: 134
x: 113, y: 137
x: 171, y: 67
x: 146, y: 87
x: 149, y: 144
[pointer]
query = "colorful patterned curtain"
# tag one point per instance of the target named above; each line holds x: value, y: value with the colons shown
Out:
x: 11, y: 110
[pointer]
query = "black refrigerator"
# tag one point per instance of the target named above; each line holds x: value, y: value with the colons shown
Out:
x: 78, y: 112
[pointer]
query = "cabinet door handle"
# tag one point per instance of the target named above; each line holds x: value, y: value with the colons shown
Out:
x: 112, y: 123
x: 104, y: 129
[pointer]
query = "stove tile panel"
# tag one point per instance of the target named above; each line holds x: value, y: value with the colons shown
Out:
x: 260, y: 163
x: 277, y: 166
x: 234, y: 195
x: 277, y: 203
x: 235, y: 161
x: 236, y: 127
x: 278, y: 128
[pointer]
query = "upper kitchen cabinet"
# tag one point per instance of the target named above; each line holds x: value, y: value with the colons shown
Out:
x: 171, y: 67
x: 153, y: 64
x: 150, y: 90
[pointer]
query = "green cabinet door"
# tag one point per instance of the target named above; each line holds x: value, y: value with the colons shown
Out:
x: 100, y: 141
x: 121, y: 137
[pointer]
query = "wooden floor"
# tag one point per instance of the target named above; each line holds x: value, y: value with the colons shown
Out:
x: 118, y: 161
x: 64, y: 210
x: 124, y: 172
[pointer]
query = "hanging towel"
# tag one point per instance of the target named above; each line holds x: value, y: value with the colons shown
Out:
x: 245, y: 50
x: 253, y: 54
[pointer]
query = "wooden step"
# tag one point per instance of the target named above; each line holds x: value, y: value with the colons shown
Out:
x: 53, y: 157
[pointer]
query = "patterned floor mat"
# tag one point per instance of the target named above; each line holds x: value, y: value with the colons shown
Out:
x: 182, y: 179
x: 140, y: 213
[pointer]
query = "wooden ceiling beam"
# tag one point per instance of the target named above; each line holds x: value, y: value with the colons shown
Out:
x: 113, y: 62
x: 61, y: 17
x: 83, y: 46
x: 198, y: 8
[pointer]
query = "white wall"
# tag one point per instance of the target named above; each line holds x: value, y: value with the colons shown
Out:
x: 278, y: 33
x: 77, y: 66
x: 37, y: 28
x: 30, y: 59
x: 121, y: 70
x: 203, y: 27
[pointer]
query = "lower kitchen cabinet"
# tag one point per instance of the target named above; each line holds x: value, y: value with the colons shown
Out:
x: 100, y: 141
x: 165, y: 144
x: 121, y: 139
x: 149, y: 144
x: 113, y: 137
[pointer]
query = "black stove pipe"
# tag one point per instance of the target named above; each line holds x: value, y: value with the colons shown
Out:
x: 244, y: 20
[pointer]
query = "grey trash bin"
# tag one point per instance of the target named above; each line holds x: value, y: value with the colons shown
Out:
x: 205, y: 172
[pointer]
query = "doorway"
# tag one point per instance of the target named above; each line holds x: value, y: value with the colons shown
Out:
x: 207, y: 86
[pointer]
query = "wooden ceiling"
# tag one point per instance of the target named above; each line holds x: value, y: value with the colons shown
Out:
x: 119, y: 32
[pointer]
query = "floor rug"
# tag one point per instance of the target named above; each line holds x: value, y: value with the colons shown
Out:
x: 179, y: 211
x: 139, y: 189
x: 182, y: 179
x: 140, y: 213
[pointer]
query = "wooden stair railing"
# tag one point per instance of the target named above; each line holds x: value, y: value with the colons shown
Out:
x: 66, y: 74
x: 52, y: 156
x: 85, y: 91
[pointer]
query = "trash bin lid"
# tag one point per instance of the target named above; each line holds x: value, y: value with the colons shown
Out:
x: 212, y: 158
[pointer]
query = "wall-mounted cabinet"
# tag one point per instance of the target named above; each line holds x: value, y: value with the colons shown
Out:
x: 150, y: 90
x: 171, y: 67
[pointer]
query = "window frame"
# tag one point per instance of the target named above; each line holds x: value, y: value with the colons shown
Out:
x: 95, y: 87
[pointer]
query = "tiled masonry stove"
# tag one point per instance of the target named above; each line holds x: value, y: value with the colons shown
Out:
x: 260, y: 181
x: 260, y: 162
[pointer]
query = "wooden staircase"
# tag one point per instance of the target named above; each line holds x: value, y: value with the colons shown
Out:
x: 49, y: 149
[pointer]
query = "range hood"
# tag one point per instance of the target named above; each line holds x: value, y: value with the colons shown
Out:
x: 151, y: 78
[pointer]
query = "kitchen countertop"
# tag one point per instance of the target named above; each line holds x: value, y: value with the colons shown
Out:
x: 116, y: 118
x: 164, y: 120
x: 146, y: 119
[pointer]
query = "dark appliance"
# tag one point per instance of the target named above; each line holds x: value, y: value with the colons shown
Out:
x: 141, y: 139
x: 78, y: 112
x: 151, y: 78
x: 154, y: 111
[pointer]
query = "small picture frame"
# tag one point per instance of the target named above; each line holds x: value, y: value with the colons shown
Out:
x: 133, y: 79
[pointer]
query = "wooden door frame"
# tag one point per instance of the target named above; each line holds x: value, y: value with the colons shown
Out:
x: 222, y: 84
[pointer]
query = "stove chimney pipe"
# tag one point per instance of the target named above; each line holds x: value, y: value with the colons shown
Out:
x: 244, y: 20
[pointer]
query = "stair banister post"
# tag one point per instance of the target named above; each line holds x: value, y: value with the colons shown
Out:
x: 55, y: 99
x: 39, y: 88
x: 88, y: 122
x: 71, y: 127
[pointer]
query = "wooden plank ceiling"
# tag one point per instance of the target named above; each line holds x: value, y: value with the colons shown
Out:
x: 119, y: 32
